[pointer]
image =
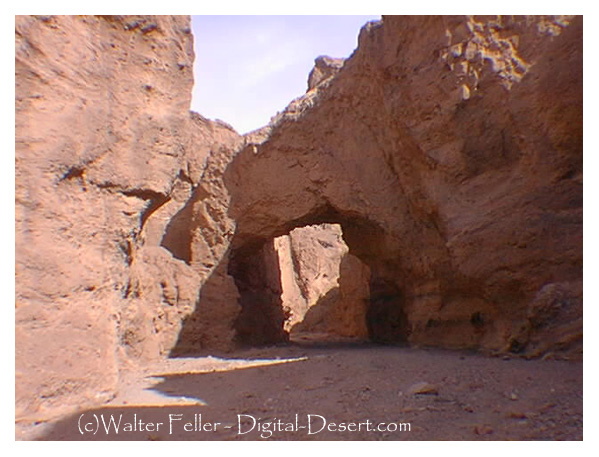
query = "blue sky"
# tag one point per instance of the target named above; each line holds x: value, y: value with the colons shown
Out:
x: 249, y: 67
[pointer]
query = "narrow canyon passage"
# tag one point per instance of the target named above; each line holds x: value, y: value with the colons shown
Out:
x: 305, y: 285
x: 402, y: 242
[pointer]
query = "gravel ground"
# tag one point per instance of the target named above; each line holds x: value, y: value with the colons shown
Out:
x: 342, y: 391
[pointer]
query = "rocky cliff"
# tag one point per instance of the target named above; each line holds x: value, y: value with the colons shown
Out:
x: 119, y: 213
x: 448, y: 149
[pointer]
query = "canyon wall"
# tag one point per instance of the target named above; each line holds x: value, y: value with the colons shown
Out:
x: 448, y: 149
x: 114, y: 179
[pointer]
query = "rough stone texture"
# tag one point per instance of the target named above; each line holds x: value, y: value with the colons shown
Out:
x: 108, y: 159
x: 450, y: 151
x: 324, y: 289
x: 206, y: 229
x: 312, y: 260
x: 325, y: 67
x: 293, y: 301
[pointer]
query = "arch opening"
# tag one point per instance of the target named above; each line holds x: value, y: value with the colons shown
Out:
x: 318, y: 283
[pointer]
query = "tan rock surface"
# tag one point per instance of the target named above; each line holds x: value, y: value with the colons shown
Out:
x: 107, y: 158
x: 325, y: 67
x: 325, y: 289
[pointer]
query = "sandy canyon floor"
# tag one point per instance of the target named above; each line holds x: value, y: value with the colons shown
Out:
x: 311, y: 390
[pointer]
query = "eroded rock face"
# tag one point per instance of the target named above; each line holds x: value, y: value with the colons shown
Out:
x: 309, y: 259
x: 325, y: 67
x: 108, y: 162
x: 324, y: 288
x: 450, y: 151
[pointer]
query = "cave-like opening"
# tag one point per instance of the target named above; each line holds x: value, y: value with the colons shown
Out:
x: 309, y: 286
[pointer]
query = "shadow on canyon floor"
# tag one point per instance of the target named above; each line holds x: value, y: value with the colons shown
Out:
x: 258, y: 394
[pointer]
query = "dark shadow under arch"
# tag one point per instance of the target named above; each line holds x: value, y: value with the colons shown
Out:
x: 253, y: 265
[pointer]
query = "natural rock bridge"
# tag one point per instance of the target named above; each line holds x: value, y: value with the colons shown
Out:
x: 447, y: 149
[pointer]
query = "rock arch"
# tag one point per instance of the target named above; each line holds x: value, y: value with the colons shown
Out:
x: 449, y: 148
x: 434, y: 190
x: 261, y: 318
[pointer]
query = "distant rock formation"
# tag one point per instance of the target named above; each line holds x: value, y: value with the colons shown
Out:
x: 324, y: 288
x: 325, y: 67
